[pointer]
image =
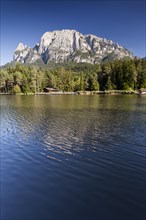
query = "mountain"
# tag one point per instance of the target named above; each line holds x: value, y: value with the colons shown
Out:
x: 70, y: 46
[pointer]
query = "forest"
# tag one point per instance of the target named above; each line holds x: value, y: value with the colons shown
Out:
x: 127, y: 74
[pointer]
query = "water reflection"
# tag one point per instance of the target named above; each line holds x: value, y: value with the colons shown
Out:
x: 73, y: 153
x: 65, y: 125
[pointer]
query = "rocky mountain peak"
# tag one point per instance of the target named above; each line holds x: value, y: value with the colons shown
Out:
x: 70, y: 46
x: 20, y: 47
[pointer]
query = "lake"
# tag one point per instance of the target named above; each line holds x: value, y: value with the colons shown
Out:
x: 73, y: 157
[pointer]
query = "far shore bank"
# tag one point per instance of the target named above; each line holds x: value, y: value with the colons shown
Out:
x: 110, y: 92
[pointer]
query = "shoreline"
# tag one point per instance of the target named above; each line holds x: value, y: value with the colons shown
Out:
x: 109, y: 92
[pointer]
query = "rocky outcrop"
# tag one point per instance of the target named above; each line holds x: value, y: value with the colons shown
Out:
x: 70, y: 46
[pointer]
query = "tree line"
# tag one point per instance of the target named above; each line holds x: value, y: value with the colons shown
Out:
x: 117, y: 75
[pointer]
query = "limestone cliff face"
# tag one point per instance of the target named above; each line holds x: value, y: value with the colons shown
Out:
x: 70, y: 45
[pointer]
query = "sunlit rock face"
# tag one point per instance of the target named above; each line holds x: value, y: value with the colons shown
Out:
x: 70, y: 46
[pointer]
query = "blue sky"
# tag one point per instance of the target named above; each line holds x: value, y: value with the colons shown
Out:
x: 26, y: 20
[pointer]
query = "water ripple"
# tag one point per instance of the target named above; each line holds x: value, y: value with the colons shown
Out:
x: 73, y: 153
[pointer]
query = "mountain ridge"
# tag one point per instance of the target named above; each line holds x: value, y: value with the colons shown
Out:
x: 67, y: 45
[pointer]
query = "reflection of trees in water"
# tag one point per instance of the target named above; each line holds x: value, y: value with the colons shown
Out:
x: 67, y: 125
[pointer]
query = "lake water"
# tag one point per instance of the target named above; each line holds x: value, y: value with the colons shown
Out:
x: 73, y: 157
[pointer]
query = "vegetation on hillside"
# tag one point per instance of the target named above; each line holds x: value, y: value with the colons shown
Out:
x: 118, y: 75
